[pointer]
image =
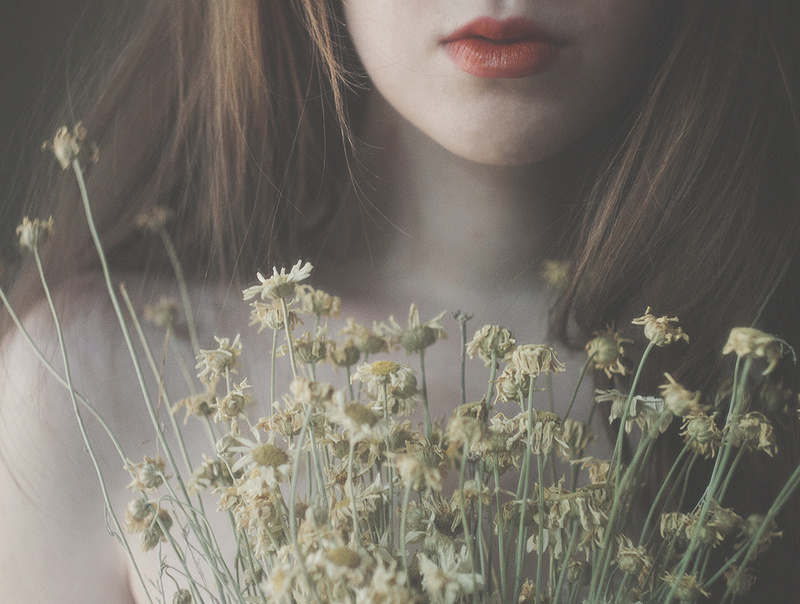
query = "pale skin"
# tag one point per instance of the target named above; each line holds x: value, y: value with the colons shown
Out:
x: 470, y: 226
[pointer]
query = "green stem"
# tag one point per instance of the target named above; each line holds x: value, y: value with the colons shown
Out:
x: 182, y: 289
x: 428, y: 425
x: 84, y: 434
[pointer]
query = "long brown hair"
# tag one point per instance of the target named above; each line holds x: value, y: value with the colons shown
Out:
x: 237, y: 114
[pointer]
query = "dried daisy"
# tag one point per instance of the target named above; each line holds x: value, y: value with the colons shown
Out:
x: 449, y: 580
x: 417, y: 336
x: 214, y: 363
x: 645, y: 411
x: 33, y: 233
x: 367, y: 340
x: 317, y: 302
x: 281, y: 284
x: 750, y: 527
x: 632, y: 560
x: 419, y: 472
x: 232, y: 404
x: 659, y: 329
x: 678, y: 399
x: 701, y: 434
x: 201, y: 405
x: 270, y: 461
x: 270, y: 316
x: 358, y: 420
x: 182, y: 596
x: 688, y: 589
x: 745, y: 341
x: 578, y: 437
x: 67, y: 146
x: 754, y: 432
x: 154, y: 534
x: 345, y: 355
x: 162, y: 314
x: 556, y: 273
x: 395, y: 377
x: 154, y: 219
x: 148, y: 475
x: 739, y: 580
x: 491, y: 341
x: 605, y: 350
x: 534, y: 359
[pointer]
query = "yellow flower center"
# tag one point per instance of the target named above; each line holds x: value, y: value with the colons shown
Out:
x: 361, y: 414
x: 344, y: 556
x: 268, y: 455
x: 384, y: 368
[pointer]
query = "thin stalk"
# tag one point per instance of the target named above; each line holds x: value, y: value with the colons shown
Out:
x: 352, y: 491
x: 573, y: 541
x: 84, y: 434
x: 581, y: 375
x: 617, y: 459
x: 289, y: 341
x: 182, y: 289
x: 540, y: 557
x: 501, y: 552
x: 272, y: 371
x: 428, y: 425
x: 404, y: 515
x: 462, y: 507
x: 490, y: 383
x: 526, y: 465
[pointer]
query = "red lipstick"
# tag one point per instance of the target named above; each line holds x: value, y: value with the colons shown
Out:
x: 513, y: 48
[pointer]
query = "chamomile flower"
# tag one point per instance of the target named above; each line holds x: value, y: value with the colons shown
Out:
x: 417, y: 336
x: 280, y: 284
x: 491, y: 340
x: 745, y: 341
x: 33, y: 233
x: 67, y: 146
x: 606, y: 351
x: 214, y: 363
x: 659, y: 330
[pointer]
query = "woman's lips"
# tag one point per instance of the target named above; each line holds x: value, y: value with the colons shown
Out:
x: 513, y: 48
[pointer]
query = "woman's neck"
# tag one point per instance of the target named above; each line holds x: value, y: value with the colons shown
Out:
x: 447, y: 229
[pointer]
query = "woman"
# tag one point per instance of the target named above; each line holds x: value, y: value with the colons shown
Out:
x: 418, y: 151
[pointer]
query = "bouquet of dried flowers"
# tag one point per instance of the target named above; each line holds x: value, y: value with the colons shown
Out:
x: 334, y: 496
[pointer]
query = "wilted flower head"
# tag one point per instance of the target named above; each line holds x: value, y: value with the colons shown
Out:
x: 213, y: 363
x: 280, y: 284
x: 658, y: 329
x: 358, y: 420
x: 368, y: 341
x: 451, y: 579
x: 154, y: 534
x: 182, y: 596
x: 417, y: 336
x: 379, y: 374
x: 33, y: 233
x: 420, y: 471
x: 271, y: 316
x: 556, y: 273
x: 630, y: 559
x: 750, y: 527
x: 233, y: 403
x: 154, y: 219
x: 148, y: 475
x: 162, y: 314
x: 67, y: 146
x: 606, y: 351
x: 491, y: 340
x: 754, y: 431
x: 346, y: 355
x: 701, y: 434
x: 678, y: 399
x: 645, y: 411
x: 578, y: 437
x: 739, y: 580
x: 689, y: 589
x: 745, y: 341
x: 534, y: 359
x: 317, y: 302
